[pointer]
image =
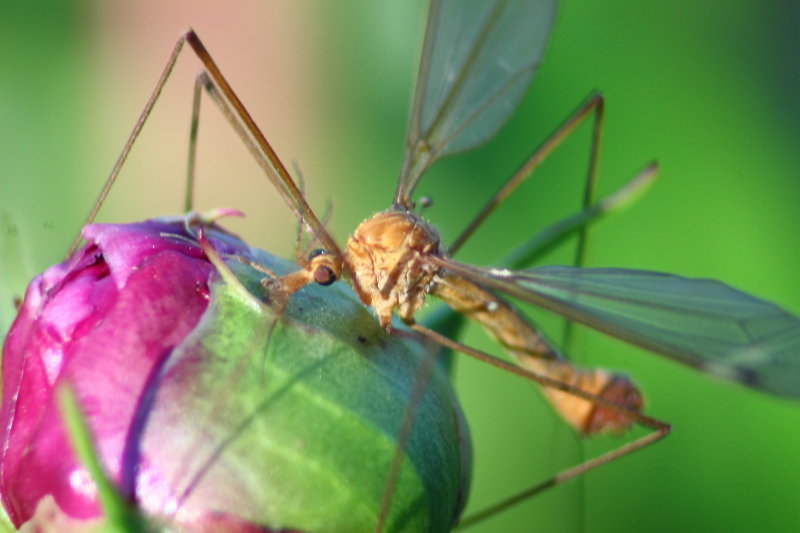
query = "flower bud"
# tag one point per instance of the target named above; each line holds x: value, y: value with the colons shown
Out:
x: 214, y: 408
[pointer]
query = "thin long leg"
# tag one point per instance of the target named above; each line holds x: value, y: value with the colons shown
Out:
x: 589, y: 198
x: 590, y: 186
x: 562, y: 477
x: 421, y: 379
x: 300, y: 255
x: 568, y: 332
x: 553, y: 235
x: 137, y: 128
x: 188, y: 201
x: 593, y: 104
x: 262, y: 336
x: 278, y: 174
x: 228, y: 112
x: 545, y: 381
x: 659, y: 429
x: 275, y: 170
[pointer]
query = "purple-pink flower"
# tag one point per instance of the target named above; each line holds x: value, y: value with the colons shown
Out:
x: 200, y: 408
x: 100, y: 320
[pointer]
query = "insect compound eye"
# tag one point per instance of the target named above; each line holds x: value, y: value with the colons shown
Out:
x: 324, y: 275
x: 316, y: 253
x: 325, y: 268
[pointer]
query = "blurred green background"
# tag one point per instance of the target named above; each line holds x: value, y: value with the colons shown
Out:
x: 710, y: 89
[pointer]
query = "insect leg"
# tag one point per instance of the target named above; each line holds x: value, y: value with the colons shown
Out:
x: 658, y: 428
x: 194, y: 467
x: 299, y: 253
x: 545, y: 240
x: 188, y: 202
x: 589, y: 194
x: 137, y: 128
x: 590, y: 185
x: 203, y: 80
x: 294, y: 280
x: 563, y: 476
x: 421, y: 379
x: 593, y: 105
x: 274, y: 169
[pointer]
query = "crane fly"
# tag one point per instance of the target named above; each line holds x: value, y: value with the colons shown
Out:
x: 476, y: 63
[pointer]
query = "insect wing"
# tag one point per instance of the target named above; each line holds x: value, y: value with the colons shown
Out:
x: 700, y: 322
x: 477, y: 61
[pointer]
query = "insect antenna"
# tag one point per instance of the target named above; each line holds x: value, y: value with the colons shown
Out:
x: 303, y: 251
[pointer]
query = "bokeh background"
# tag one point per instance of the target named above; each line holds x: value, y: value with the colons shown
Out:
x: 710, y: 89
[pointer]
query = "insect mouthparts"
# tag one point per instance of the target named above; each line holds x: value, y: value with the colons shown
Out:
x: 324, y: 275
x: 388, y: 256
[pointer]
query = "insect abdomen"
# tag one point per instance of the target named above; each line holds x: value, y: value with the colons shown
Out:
x: 536, y: 354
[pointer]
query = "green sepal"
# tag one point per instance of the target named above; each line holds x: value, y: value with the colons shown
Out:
x: 288, y: 418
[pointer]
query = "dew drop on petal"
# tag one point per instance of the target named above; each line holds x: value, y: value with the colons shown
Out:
x: 82, y: 483
x: 53, y: 360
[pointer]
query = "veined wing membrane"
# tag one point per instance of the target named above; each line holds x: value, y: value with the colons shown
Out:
x: 700, y: 322
x: 478, y: 59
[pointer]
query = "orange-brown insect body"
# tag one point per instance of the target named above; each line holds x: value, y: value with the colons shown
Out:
x: 386, y: 258
x: 526, y: 344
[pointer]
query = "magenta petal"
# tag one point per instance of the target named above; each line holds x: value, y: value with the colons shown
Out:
x: 100, y: 322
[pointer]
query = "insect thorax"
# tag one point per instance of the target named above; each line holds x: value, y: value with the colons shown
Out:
x: 387, y: 257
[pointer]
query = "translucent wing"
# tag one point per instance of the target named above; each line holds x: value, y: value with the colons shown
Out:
x: 700, y: 322
x: 477, y: 60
